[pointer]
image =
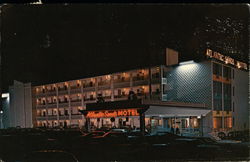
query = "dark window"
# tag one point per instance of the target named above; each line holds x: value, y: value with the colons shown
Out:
x: 217, y: 95
x: 227, y: 96
x: 217, y: 69
x: 233, y: 106
x: 233, y: 91
x: 226, y: 72
x: 66, y: 112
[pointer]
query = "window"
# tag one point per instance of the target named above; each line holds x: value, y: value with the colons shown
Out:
x: 233, y: 90
x: 226, y: 72
x: 217, y: 122
x: 227, y: 97
x: 217, y: 95
x: 217, y: 69
x: 228, y: 122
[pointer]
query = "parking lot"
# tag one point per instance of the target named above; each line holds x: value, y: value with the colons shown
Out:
x: 117, y: 144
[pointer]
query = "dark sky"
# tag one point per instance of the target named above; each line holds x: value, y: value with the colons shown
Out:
x: 50, y: 43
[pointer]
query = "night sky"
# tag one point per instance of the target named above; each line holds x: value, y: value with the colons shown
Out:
x: 51, y: 43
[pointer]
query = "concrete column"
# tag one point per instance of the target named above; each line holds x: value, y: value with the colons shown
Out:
x: 112, y: 87
x: 69, y: 108
x: 222, y: 96
x: 46, y: 106
x: 57, y: 105
x: 96, y: 87
x: 142, y: 122
x: 201, y: 125
x: 131, y: 80
x: 150, y: 83
x: 82, y: 99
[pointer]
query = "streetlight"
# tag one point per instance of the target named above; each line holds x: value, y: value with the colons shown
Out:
x: 1, y: 119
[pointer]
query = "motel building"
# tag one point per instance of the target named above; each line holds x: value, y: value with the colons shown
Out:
x: 199, y: 98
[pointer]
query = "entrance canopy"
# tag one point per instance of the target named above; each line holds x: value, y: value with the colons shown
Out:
x: 169, y: 111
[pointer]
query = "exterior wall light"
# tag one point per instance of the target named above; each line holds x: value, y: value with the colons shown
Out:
x: 186, y: 62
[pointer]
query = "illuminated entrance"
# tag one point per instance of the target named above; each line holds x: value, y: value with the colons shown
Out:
x: 118, y: 114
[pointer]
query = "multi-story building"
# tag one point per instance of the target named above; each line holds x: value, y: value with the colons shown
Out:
x: 178, y: 95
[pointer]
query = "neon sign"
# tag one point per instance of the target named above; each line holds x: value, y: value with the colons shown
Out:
x: 226, y: 59
x: 112, y: 113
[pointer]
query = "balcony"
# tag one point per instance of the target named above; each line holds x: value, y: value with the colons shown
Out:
x: 63, y: 117
x: 63, y: 104
x: 155, y: 80
x: 140, y: 80
x: 121, y: 84
x: 107, y: 98
x: 120, y: 97
x: 40, y: 94
x: 41, y: 117
x: 40, y: 106
x: 76, y: 116
x: 89, y: 87
x: 75, y: 90
x: 104, y: 85
x: 52, y: 117
x: 76, y: 103
x: 62, y: 92
x: 51, y: 93
x: 52, y: 105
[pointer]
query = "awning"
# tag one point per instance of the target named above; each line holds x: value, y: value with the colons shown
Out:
x: 169, y: 111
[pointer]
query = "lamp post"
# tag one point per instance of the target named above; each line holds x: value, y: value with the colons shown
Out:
x: 1, y: 119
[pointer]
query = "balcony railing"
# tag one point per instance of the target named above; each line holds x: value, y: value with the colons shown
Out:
x: 92, y: 88
x: 105, y: 85
x: 120, y: 97
x: 40, y: 106
x: 41, y: 117
x: 77, y: 90
x: 63, y: 91
x: 137, y: 78
x: 52, y: 105
x: 140, y: 82
x: 52, y: 117
x: 40, y: 94
x: 51, y: 93
x: 87, y: 85
x: 155, y: 80
x: 89, y: 99
x: 121, y: 84
x: 76, y: 103
x: 63, y: 117
x: 76, y: 116
x: 63, y: 104
x: 122, y: 80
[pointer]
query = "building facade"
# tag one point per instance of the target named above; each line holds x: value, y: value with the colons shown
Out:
x: 209, y: 94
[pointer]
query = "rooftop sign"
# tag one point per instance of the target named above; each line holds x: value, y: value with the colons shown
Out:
x: 226, y: 59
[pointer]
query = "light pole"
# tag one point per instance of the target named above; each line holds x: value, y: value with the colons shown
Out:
x: 1, y: 119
